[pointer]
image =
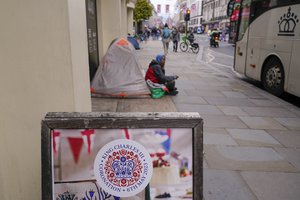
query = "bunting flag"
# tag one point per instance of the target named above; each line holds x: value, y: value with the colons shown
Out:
x: 193, y: 7
x: 183, y: 6
x: 76, y: 145
x: 126, y: 133
x: 55, y: 140
x: 167, y: 143
x: 88, y: 136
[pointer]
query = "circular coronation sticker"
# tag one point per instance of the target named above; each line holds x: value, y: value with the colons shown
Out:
x: 123, y: 168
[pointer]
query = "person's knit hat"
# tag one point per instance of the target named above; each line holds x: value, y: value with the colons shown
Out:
x: 159, y: 57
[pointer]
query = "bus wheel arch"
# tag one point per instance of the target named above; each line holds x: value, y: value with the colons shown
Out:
x: 273, y: 76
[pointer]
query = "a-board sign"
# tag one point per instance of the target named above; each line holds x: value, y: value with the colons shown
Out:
x: 117, y: 156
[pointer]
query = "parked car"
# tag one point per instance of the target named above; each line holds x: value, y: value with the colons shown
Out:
x: 200, y: 30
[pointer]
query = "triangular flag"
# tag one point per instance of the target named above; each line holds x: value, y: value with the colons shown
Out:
x: 55, y: 141
x: 88, y: 138
x: 126, y: 133
x: 167, y: 143
x: 76, y: 145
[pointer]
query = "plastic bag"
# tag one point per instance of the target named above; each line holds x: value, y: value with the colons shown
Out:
x: 157, y: 93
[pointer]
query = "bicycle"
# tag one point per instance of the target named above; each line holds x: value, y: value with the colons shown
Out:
x: 186, y: 45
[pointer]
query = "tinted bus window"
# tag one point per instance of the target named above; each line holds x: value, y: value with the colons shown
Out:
x: 244, y: 18
x: 258, y: 7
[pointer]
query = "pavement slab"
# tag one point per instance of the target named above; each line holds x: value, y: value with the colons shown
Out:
x: 219, y: 121
x: 184, y: 84
x: 203, y: 93
x: 225, y: 185
x: 263, y: 102
x: 290, y: 123
x: 164, y: 104
x: 219, y: 101
x: 293, y: 109
x: 232, y: 110
x: 275, y: 98
x: 202, y: 109
x: 234, y: 94
x: 262, y: 123
x: 289, y: 139
x: 218, y: 139
x: 291, y: 155
x: 104, y: 104
x: 251, y: 137
x: 253, y: 94
x: 209, y: 130
x: 246, y: 158
x: 188, y: 100
x: 205, y: 164
x: 190, y: 76
x: 268, y: 112
x: 215, y: 86
x: 286, y: 186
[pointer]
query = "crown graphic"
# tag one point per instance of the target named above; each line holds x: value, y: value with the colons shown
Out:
x: 287, y: 23
x: 67, y: 196
x: 123, y: 168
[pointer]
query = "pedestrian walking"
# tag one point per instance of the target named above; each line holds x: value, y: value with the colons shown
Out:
x: 175, y: 38
x: 158, y: 33
x: 154, y: 33
x: 166, y: 37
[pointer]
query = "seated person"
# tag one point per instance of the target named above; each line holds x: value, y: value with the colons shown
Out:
x: 156, y: 74
x: 191, y: 38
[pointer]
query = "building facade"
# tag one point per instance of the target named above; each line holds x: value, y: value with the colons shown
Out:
x: 165, y: 10
x: 195, y: 22
x: 181, y: 7
x: 195, y: 6
x: 45, y: 56
x: 215, y: 14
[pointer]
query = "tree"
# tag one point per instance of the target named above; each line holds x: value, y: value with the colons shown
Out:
x: 142, y: 11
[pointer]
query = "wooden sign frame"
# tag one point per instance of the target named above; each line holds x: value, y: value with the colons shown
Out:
x: 103, y: 120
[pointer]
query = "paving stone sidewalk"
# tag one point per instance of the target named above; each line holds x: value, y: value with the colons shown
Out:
x: 251, y: 138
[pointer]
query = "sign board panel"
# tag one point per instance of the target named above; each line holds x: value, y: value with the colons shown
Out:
x: 122, y: 156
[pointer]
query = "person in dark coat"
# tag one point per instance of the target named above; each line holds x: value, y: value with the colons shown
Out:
x: 156, y: 74
x: 191, y: 38
x: 175, y: 39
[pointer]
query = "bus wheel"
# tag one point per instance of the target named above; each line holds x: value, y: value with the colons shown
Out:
x: 273, y: 76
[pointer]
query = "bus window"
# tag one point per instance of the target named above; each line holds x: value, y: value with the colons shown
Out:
x: 233, y: 11
x: 244, y: 22
x: 287, y: 2
x: 258, y: 7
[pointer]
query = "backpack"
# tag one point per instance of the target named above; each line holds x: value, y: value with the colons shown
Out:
x: 166, y: 33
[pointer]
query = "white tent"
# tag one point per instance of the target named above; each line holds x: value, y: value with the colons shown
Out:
x: 119, y: 73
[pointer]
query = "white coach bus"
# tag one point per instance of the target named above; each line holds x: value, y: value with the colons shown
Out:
x: 268, y: 44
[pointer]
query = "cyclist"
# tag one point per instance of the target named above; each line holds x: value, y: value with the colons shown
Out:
x: 191, y: 38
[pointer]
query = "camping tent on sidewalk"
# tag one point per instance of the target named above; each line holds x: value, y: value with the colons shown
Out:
x: 119, y: 73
